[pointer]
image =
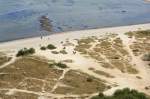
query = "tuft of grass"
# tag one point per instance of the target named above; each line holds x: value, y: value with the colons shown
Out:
x: 68, y: 61
x: 55, y: 52
x: 63, y: 52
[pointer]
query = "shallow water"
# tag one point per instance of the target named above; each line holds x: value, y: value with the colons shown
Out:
x: 20, y: 18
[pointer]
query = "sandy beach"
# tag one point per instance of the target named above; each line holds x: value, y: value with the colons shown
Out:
x: 83, y: 62
x: 58, y: 37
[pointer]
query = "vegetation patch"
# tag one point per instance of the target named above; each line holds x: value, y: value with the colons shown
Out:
x: 139, y: 48
x: 68, y: 61
x: 131, y: 70
x: 105, y: 50
x: 4, y: 59
x: 59, y: 64
x: 29, y: 74
x: 84, y: 44
x: 18, y: 95
x: 80, y: 83
x: 25, y: 52
x: 55, y: 52
x: 123, y: 94
x: 87, y: 40
x: 106, y: 65
x: 103, y: 73
x: 63, y: 52
x: 51, y: 47
x: 43, y: 48
x: 146, y: 57
x: 139, y: 34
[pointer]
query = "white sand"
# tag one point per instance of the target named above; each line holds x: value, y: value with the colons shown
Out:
x: 57, y: 38
x: 82, y: 63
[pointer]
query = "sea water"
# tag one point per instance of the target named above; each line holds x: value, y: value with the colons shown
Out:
x: 20, y: 18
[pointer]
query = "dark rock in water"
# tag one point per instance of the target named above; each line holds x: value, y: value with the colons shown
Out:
x: 45, y: 23
x: 54, y: 1
x: 123, y: 11
x: 60, y: 28
x: 69, y: 3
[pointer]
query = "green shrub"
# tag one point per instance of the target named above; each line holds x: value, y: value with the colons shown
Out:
x: 25, y: 51
x: 43, y: 48
x: 31, y: 51
x: 51, y: 47
x: 61, y: 65
x: 123, y: 94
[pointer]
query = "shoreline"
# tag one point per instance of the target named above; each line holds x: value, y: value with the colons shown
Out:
x: 54, y: 38
x: 62, y: 32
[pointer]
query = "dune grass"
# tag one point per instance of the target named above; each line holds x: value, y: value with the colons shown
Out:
x: 4, y: 59
x: 80, y: 83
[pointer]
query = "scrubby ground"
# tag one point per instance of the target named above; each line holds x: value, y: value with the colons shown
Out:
x: 92, y: 64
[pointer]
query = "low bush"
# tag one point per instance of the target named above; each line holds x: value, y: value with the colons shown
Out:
x: 43, y: 48
x: 59, y: 64
x: 25, y: 51
x: 51, y: 47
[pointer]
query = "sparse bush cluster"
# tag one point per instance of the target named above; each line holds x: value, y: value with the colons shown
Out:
x: 25, y: 51
x: 123, y: 94
x: 59, y: 64
x: 50, y: 47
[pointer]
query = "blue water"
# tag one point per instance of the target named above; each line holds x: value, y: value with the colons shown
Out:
x: 20, y: 18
